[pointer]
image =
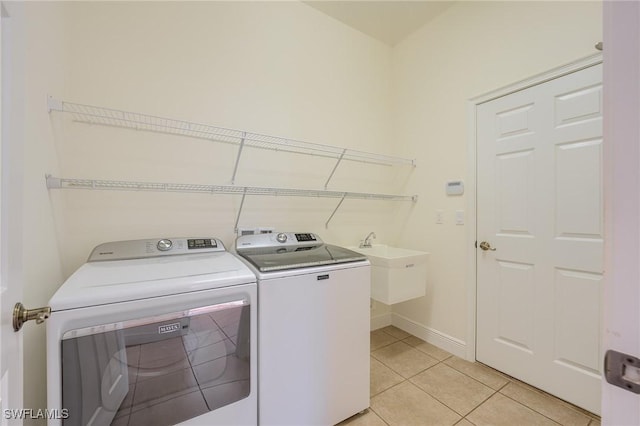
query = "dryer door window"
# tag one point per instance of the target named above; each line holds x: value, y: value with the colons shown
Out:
x: 157, y: 371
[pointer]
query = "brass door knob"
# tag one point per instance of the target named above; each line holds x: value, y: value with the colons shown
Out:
x: 22, y: 315
x: 486, y: 246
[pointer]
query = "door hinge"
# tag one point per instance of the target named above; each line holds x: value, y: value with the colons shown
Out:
x: 622, y: 370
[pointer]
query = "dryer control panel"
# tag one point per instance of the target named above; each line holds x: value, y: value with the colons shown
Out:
x: 140, y: 249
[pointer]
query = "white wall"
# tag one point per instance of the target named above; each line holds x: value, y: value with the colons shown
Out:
x: 280, y: 68
x: 471, y: 49
x: 38, y: 64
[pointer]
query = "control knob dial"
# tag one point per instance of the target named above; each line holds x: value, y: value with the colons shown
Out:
x: 164, y: 245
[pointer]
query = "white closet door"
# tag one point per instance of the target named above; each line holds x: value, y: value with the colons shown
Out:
x: 539, y: 204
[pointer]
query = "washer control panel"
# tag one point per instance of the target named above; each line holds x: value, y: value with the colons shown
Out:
x: 139, y: 249
x: 277, y: 239
x: 202, y: 243
x: 306, y: 237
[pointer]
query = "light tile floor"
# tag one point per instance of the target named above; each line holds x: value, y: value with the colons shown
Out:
x: 416, y: 383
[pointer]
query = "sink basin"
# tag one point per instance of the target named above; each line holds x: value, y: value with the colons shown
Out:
x: 392, y: 257
x: 397, y: 274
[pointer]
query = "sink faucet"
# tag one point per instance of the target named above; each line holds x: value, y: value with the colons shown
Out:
x: 366, y: 243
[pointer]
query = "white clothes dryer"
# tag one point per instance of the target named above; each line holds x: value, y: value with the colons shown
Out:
x: 155, y: 332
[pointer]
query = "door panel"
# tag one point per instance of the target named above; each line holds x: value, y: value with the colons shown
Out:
x: 516, y: 189
x: 578, y: 106
x: 578, y: 189
x: 577, y: 329
x: 539, y: 203
x: 516, y: 315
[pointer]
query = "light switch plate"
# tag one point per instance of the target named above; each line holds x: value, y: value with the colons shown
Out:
x: 459, y: 217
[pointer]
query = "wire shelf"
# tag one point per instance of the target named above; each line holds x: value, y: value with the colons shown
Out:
x: 95, y: 184
x: 132, y: 120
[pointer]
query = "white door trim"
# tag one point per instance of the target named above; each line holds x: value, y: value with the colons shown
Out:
x: 472, y: 105
x: 622, y: 199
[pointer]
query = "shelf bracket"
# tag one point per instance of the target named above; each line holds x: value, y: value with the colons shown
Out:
x: 334, y: 169
x: 235, y: 168
x: 244, y: 194
x: 52, y: 182
x: 326, y: 225
x: 54, y: 104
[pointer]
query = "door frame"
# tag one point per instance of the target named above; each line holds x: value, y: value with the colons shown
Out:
x: 471, y: 205
x: 622, y: 200
x: 11, y: 137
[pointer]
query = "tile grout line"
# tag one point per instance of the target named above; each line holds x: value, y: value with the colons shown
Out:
x: 384, y: 346
x: 508, y: 379
x: 428, y: 368
x: 536, y: 411
x: 410, y: 382
x: 473, y: 378
x: 380, y: 417
x: 463, y: 416
x: 543, y: 394
x: 479, y: 405
x: 546, y: 395
x: 410, y: 377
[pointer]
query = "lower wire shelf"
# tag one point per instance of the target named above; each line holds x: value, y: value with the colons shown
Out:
x: 96, y: 184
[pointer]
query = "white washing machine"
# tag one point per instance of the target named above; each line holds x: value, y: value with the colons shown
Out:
x: 155, y: 332
x: 313, y: 339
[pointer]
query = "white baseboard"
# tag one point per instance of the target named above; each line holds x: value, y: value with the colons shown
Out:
x: 450, y: 344
x: 380, y: 321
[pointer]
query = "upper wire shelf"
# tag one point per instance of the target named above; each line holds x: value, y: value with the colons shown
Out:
x: 133, y: 120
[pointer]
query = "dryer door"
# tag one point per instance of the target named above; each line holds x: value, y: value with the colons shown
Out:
x: 159, y: 370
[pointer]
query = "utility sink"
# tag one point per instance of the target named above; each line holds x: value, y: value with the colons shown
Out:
x: 397, y: 274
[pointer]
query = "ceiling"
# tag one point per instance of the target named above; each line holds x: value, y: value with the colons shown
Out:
x: 389, y: 21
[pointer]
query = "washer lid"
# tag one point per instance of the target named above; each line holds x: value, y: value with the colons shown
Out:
x: 269, y: 259
x: 99, y: 283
